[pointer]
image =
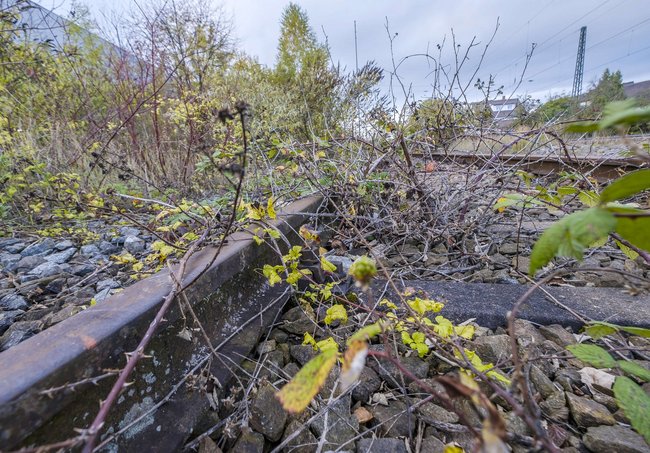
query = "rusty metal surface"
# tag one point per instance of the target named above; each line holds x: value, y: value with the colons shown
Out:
x: 602, y: 169
x: 96, y: 339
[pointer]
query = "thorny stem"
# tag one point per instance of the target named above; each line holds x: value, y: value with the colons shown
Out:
x: 135, y: 356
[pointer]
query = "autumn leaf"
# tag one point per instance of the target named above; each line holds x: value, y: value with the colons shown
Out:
x: 353, y: 362
x: 298, y: 393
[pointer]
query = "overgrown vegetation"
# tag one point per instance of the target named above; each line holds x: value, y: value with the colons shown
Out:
x: 178, y: 131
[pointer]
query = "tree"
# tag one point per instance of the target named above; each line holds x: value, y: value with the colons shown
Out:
x: 556, y: 108
x: 609, y: 88
x: 303, y: 70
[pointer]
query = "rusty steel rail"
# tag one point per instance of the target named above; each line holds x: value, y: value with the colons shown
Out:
x: 602, y: 169
x: 50, y: 384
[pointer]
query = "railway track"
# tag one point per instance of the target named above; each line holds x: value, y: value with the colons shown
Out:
x: 602, y: 169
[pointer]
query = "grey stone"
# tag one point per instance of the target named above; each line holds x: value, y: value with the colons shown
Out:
x: 61, y: 257
x: 542, y: 383
x: 493, y: 348
x: 46, y: 269
x: 304, y: 442
x: 500, y: 261
x: 608, y: 439
x: 342, y: 426
x: 13, y: 302
x: 381, y: 446
x: 508, y: 248
x: 267, y: 415
x: 586, y: 412
x: 368, y: 384
x: 279, y: 335
x: 341, y: 262
x: 302, y: 353
x: 390, y: 373
x: 17, y: 332
x: 522, y: 263
x: 516, y: 425
x: 134, y: 244
x: 39, y: 248
x: 90, y: 250
x: 558, y: 334
x: 127, y: 231
x: 568, y: 378
x: 290, y: 370
x: 102, y: 295
x: 555, y: 406
x: 56, y: 285
x: 483, y: 275
x: 15, y: 248
x: 107, y: 248
x: 107, y: 283
x: 394, y: 420
x: 266, y: 346
x: 28, y: 263
x: 527, y: 334
x: 81, y: 270
x: 7, y: 259
x: 249, y: 442
x: 63, y: 245
x: 63, y: 314
x: 437, y: 413
x: 7, y: 318
x: 297, y: 322
x: 432, y: 445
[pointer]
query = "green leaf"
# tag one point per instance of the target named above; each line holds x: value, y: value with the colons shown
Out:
x: 369, y: 332
x: 635, y: 403
x: 626, y: 186
x: 623, y: 113
x: 631, y: 254
x: 635, y: 370
x: 635, y: 230
x: 584, y: 127
x: 598, y: 331
x: 571, y: 235
x: 593, y: 355
x: 298, y: 393
x: 640, y: 331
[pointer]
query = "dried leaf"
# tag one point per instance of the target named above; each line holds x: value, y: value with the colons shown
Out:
x: 298, y: 393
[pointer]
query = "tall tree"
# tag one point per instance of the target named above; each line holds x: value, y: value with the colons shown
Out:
x: 303, y: 70
x: 609, y: 88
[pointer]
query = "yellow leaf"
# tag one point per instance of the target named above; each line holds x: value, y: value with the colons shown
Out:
x: 137, y: 267
x: 353, y: 362
x: 453, y: 449
x: 466, y: 332
x: 308, y: 235
x: 326, y: 265
x: 258, y: 240
x: 271, y: 274
x: 298, y: 393
x: 309, y: 340
x: 327, y: 345
x: 444, y: 328
x: 422, y: 306
x: 270, y: 209
x: 272, y: 232
x: 336, y: 312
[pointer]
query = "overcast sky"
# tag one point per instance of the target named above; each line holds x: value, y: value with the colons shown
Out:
x: 618, y: 36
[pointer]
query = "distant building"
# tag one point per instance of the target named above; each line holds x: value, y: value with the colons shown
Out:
x: 503, y: 111
x: 639, y: 90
